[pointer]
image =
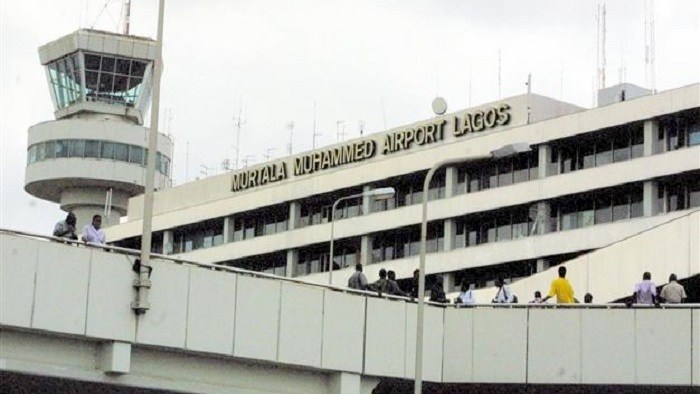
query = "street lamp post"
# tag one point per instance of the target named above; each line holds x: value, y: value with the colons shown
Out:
x: 505, y: 151
x: 381, y: 193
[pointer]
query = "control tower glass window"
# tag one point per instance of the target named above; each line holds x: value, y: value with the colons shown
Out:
x: 65, y: 79
x: 114, y: 80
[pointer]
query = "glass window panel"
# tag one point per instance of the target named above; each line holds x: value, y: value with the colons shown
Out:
x: 123, y: 66
x: 76, y: 148
x: 40, y: 152
x: 136, y: 154
x: 474, y: 181
x: 637, y: 142
x: 490, y: 177
x: 282, y: 226
x: 637, y: 204
x: 106, y: 83
x: 534, y: 165
x: 621, y: 147
x: 92, y: 148
x: 91, y: 82
x: 620, y: 207
x: 694, y: 134
x: 107, y: 64
x: 31, y: 155
x: 567, y: 160
x: 504, y: 231
x: 505, y: 173
x: 107, y: 150
x: 472, y: 236
x: 270, y: 228
x: 121, y: 152
x: 603, y: 209
x: 520, y: 168
x: 694, y: 195
x: 553, y: 165
x: 587, y: 155
x: 49, y: 149
x: 61, y: 148
x: 138, y: 68
x: 603, y: 153
x: 92, y: 62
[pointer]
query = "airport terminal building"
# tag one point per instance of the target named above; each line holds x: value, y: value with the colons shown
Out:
x: 592, y: 177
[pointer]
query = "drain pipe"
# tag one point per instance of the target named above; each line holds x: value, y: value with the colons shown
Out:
x: 140, y: 305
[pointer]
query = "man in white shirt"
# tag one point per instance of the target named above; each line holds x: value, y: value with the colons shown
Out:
x: 92, y: 233
x: 645, y: 291
x: 504, y: 295
x: 673, y: 292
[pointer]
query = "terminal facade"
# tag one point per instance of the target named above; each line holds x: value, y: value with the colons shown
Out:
x: 599, y: 175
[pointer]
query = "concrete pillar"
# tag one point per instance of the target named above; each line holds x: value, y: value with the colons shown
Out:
x: 450, y: 181
x: 294, y: 214
x: 542, y: 265
x: 651, y: 136
x: 544, y: 211
x: 450, y: 233
x: 366, y: 249
x: 651, y: 190
x: 448, y: 281
x: 114, y: 358
x: 544, y: 157
x: 344, y: 383
x: 366, y: 200
x: 228, y: 229
x: 292, y: 262
x: 168, y: 242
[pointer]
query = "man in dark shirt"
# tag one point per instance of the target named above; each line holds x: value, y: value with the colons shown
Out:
x: 394, y: 288
x: 358, y: 280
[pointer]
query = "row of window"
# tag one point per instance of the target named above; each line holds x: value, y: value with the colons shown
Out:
x: 95, y: 149
x: 405, y: 242
x: 113, y: 79
x: 679, y: 131
x: 491, y: 174
x: 198, y: 236
x: 269, y: 221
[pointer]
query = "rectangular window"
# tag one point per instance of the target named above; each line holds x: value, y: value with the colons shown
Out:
x: 92, y: 148
x: 568, y: 158
x: 505, y: 173
x: 694, y: 134
x: 694, y: 195
x: 31, y: 155
x: 603, y: 209
x: 520, y: 168
x: 504, y: 231
x: 474, y: 181
x: 637, y: 204
x: 587, y: 155
x: 621, y: 147
x: 49, y: 149
x: 61, y: 148
x: 121, y: 152
x: 136, y: 155
x: 604, y: 153
x: 620, y: 207
x: 637, y: 142
x: 553, y: 165
x: 107, y: 150
x: 76, y: 148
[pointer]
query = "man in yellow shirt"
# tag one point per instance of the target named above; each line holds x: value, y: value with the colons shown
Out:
x: 562, y: 289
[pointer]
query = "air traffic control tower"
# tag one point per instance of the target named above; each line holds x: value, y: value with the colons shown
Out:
x: 92, y: 158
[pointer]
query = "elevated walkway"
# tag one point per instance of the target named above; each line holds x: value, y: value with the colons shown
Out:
x: 65, y: 312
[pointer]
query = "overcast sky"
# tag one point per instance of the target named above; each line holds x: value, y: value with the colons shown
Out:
x: 374, y: 62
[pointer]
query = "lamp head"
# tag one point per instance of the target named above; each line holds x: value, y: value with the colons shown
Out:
x: 381, y: 193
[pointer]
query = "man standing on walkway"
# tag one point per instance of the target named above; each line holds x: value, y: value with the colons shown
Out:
x: 393, y: 287
x: 92, y: 233
x: 673, y: 292
x: 66, y: 228
x: 504, y: 294
x: 645, y: 291
x: 358, y: 280
x: 562, y: 289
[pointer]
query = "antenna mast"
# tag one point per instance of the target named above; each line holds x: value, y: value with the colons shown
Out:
x: 340, y: 130
x: 290, y: 127
x: 315, y: 134
x: 239, y: 122
x: 650, y: 45
x: 127, y: 16
x: 602, y: 31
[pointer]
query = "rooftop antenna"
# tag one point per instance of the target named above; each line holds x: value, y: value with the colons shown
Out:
x: 650, y: 45
x: 290, y: 127
x: 622, y: 72
x: 239, y: 122
x: 226, y: 164
x: 362, y: 127
x: 248, y: 159
x: 315, y: 134
x: 340, y: 130
x: 529, y: 92
x: 602, y: 31
x: 127, y: 16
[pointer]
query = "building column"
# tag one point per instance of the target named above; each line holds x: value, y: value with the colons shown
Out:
x: 168, y: 242
x: 543, y: 159
x: 366, y: 249
x: 542, y: 265
x: 292, y: 262
x: 294, y: 214
x: 450, y: 181
x: 228, y: 229
x: 366, y: 200
x: 651, y: 192
x: 448, y: 281
x: 544, y: 212
x: 344, y: 383
x: 651, y: 136
x: 449, y: 234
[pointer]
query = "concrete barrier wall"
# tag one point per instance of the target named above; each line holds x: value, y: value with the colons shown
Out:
x: 86, y: 292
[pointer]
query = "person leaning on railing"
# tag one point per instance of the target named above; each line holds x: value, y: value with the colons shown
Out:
x: 66, y: 228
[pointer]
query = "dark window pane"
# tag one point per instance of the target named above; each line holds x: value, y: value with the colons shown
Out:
x: 694, y: 195
x: 138, y: 68
x: 123, y: 66
x: 637, y: 204
x: 505, y: 173
x: 567, y: 160
x: 603, y: 209
x: 136, y: 154
x: 586, y: 214
x: 61, y: 148
x: 587, y: 153
x: 620, y: 207
x: 76, y: 148
x: 603, y: 153
x: 637, y: 142
x: 504, y: 231
x: 92, y: 62
x: 107, y: 150
x: 31, y: 155
x: 121, y: 152
x: 106, y: 83
x: 49, y: 149
x: 107, y: 64
x: 621, y: 146
x: 92, y: 148
x: 520, y: 168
